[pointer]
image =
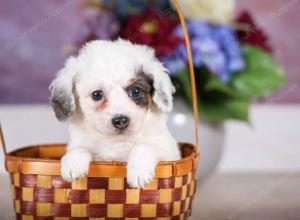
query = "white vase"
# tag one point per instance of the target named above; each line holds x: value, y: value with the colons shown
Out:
x: 211, y: 137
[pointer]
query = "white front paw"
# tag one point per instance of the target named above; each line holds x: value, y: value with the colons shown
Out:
x: 139, y: 176
x: 140, y: 170
x: 75, y: 165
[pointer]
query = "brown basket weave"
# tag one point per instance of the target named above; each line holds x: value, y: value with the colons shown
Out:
x: 40, y: 193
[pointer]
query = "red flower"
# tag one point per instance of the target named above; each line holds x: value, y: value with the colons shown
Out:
x: 153, y: 30
x: 253, y: 34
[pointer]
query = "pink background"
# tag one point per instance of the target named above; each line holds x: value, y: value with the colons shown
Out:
x: 34, y: 33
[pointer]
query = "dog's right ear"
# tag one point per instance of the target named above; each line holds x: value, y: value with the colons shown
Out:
x: 62, y: 98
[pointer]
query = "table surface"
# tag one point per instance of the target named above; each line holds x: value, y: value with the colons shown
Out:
x: 226, y: 197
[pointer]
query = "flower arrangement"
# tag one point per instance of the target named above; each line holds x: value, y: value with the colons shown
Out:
x: 232, y: 56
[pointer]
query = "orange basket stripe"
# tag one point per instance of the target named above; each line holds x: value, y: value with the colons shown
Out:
x: 35, y: 166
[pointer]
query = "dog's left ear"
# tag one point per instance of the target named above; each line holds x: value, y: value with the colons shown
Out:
x: 163, y: 87
x: 62, y: 98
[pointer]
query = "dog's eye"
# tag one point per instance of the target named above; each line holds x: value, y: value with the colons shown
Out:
x: 97, y: 95
x: 135, y: 92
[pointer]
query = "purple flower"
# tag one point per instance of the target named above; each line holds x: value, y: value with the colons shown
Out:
x: 214, y: 47
x: 174, y: 63
x: 103, y: 26
x: 230, y: 45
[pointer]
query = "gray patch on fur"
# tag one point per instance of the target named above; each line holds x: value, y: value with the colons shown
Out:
x: 144, y: 82
x: 63, y: 104
x: 163, y: 96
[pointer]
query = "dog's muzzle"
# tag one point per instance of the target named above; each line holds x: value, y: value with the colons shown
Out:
x: 121, y: 122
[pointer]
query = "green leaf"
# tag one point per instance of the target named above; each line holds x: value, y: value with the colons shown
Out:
x: 214, y: 84
x: 225, y: 109
x: 262, y: 76
x: 214, y: 106
x: 185, y: 85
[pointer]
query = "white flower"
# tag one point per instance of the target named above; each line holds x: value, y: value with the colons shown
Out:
x: 214, y: 11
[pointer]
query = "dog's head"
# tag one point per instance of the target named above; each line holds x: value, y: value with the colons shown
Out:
x: 113, y: 85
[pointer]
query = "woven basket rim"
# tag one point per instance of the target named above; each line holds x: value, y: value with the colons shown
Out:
x: 11, y: 156
x: 31, y: 165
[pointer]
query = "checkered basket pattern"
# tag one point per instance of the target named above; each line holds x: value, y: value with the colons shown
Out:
x: 40, y: 193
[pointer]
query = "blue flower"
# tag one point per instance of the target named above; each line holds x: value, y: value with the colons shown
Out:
x: 174, y: 63
x: 130, y: 7
x: 230, y: 45
x: 214, y: 47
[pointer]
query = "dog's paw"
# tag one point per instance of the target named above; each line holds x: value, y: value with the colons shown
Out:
x: 75, y: 165
x: 140, y: 171
x: 139, y: 176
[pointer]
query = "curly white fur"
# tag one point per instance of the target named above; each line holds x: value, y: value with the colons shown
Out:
x: 110, y: 66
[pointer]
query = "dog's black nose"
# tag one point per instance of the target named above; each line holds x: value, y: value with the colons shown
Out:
x: 120, y: 122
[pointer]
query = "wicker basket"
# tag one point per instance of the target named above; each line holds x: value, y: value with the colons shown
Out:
x: 40, y: 193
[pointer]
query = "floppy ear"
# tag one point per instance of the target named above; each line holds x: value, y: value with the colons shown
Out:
x: 62, y: 98
x: 163, y: 87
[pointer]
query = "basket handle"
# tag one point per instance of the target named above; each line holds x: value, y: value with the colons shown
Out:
x: 2, y: 141
x: 191, y: 68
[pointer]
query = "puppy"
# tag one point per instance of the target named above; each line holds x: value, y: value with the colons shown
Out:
x: 115, y: 96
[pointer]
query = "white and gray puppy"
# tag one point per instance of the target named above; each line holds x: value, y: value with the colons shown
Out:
x: 115, y: 96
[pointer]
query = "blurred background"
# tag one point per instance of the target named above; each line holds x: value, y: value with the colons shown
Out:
x: 32, y: 43
x: 250, y: 144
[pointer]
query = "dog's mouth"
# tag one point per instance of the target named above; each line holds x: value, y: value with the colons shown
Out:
x: 119, y: 132
x: 131, y: 130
